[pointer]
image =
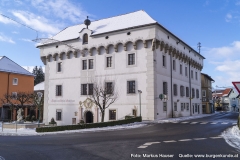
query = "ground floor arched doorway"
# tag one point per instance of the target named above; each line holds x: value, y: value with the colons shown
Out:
x: 89, y: 117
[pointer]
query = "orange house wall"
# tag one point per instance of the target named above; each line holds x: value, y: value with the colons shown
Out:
x: 25, y: 84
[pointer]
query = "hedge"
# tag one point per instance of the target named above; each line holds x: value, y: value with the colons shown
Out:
x: 88, y: 125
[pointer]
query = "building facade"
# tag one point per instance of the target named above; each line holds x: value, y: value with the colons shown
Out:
x: 134, y: 52
x: 13, y: 79
x: 207, y: 100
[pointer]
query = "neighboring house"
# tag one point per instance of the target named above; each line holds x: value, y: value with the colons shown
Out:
x: 207, y: 102
x: 238, y: 103
x: 233, y: 101
x: 39, y: 88
x: 133, y: 51
x: 13, y: 79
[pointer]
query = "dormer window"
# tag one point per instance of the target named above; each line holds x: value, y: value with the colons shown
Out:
x: 85, y: 38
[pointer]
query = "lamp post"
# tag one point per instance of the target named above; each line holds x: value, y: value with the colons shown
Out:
x: 139, y: 91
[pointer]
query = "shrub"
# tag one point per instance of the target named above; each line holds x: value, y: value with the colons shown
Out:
x: 33, y: 118
x: 52, y: 121
x: 28, y: 118
x: 88, y: 125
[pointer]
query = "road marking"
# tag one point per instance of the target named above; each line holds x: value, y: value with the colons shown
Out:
x: 175, y: 122
x: 199, y: 139
x: 169, y: 141
x: 216, y: 137
x: 204, y: 123
x: 182, y: 140
x: 142, y: 146
x: 213, y: 123
x: 150, y: 143
x: 235, y: 123
x: 193, y: 122
x: 224, y: 123
x: 185, y: 122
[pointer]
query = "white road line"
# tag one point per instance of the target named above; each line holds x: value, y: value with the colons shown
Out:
x: 175, y: 122
x: 224, y: 123
x: 213, y: 123
x: 234, y: 123
x: 182, y: 140
x: 204, y: 123
x: 150, y: 143
x: 193, y: 122
x: 142, y: 146
x: 216, y: 137
x: 169, y: 141
x: 199, y: 138
x: 185, y: 122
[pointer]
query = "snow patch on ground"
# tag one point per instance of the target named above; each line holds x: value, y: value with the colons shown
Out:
x: 232, y: 137
x: 179, y: 119
x: 32, y: 132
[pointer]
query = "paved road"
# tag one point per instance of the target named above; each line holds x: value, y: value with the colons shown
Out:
x: 188, y: 138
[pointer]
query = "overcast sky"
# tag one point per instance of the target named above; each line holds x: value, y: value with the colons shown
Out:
x: 214, y: 23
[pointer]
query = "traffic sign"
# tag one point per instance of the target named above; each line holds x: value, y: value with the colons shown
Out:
x: 237, y: 86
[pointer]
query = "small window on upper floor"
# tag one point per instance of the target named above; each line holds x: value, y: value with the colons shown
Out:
x: 15, y: 81
x: 85, y: 38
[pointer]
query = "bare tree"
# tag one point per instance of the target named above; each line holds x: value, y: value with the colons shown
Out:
x: 23, y: 98
x: 103, y: 94
x: 38, y: 101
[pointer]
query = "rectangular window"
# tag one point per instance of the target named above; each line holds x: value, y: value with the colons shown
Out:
x: 90, y: 89
x: 196, y: 107
x: 58, y: 90
x: 182, y: 91
x: 174, y: 65
x: 180, y: 69
x: 187, y: 92
x: 90, y: 64
x: 192, y: 74
x: 165, y: 89
x: 187, y: 105
x: 131, y: 86
x: 196, y: 75
x: 84, y: 64
x: 164, y: 106
x: 175, y: 90
x: 164, y: 61
x: 175, y: 106
x: 186, y: 71
x: 83, y: 89
x: 59, y: 67
x: 109, y: 61
x: 182, y: 106
x: 131, y: 59
x: 15, y: 81
x: 204, y: 93
x: 193, y: 93
x: 109, y: 87
x: 58, y: 114
x: 112, y: 114
x: 197, y: 93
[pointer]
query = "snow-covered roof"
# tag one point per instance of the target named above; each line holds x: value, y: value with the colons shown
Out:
x: 39, y: 86
x: 134, y: 19
x: 7, y: 65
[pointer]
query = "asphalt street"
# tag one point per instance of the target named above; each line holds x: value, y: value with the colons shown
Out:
x: 196, y: 137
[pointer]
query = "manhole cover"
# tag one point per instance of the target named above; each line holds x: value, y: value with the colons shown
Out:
x: 1, y: 158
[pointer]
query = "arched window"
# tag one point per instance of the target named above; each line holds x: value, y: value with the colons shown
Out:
x: 85, y: 38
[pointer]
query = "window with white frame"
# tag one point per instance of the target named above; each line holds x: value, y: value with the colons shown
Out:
x: 181, y: 91
x: 109, y: 87
x: 59, y: 67
x: 180, y: 68
x: 84, y: 64
x: 85, y: 38
x: 187, y: 91
x: 131, y: 59
x: 58, y: 90
x: 165, y: 88
x: 193, y: 93
x: 131, y: 86
x: 87, y: 89
x: 187, y: 106
x: 112, y: 114
x: 90, y: 64
x: 182, y: 106
x: 192, y: 74
x: 164, y: 106
x: 197, y: 93
x: 15, y: 81
x: 109, y: 62
x: 164, y: 61
x: 174, y: 89
x: 174, y: 64
x: 203, y: 93
x: 175, y: 106
x: 90, y: 89
x: 186, y: 72
x: 58, y: 114
x: 196, y: 77
x: 196, y: 107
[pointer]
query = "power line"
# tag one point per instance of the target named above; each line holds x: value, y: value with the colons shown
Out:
x: 20, y: 23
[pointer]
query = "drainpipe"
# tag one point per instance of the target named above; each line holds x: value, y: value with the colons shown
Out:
x: 190, y: 89
x: 171, y: 84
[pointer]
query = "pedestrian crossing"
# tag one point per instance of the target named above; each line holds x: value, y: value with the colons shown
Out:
x: 202, y: 123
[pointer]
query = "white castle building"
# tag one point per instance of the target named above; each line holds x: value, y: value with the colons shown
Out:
x: 134, y: 52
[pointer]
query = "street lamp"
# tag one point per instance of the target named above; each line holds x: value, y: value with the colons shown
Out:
x: 139, y: 91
